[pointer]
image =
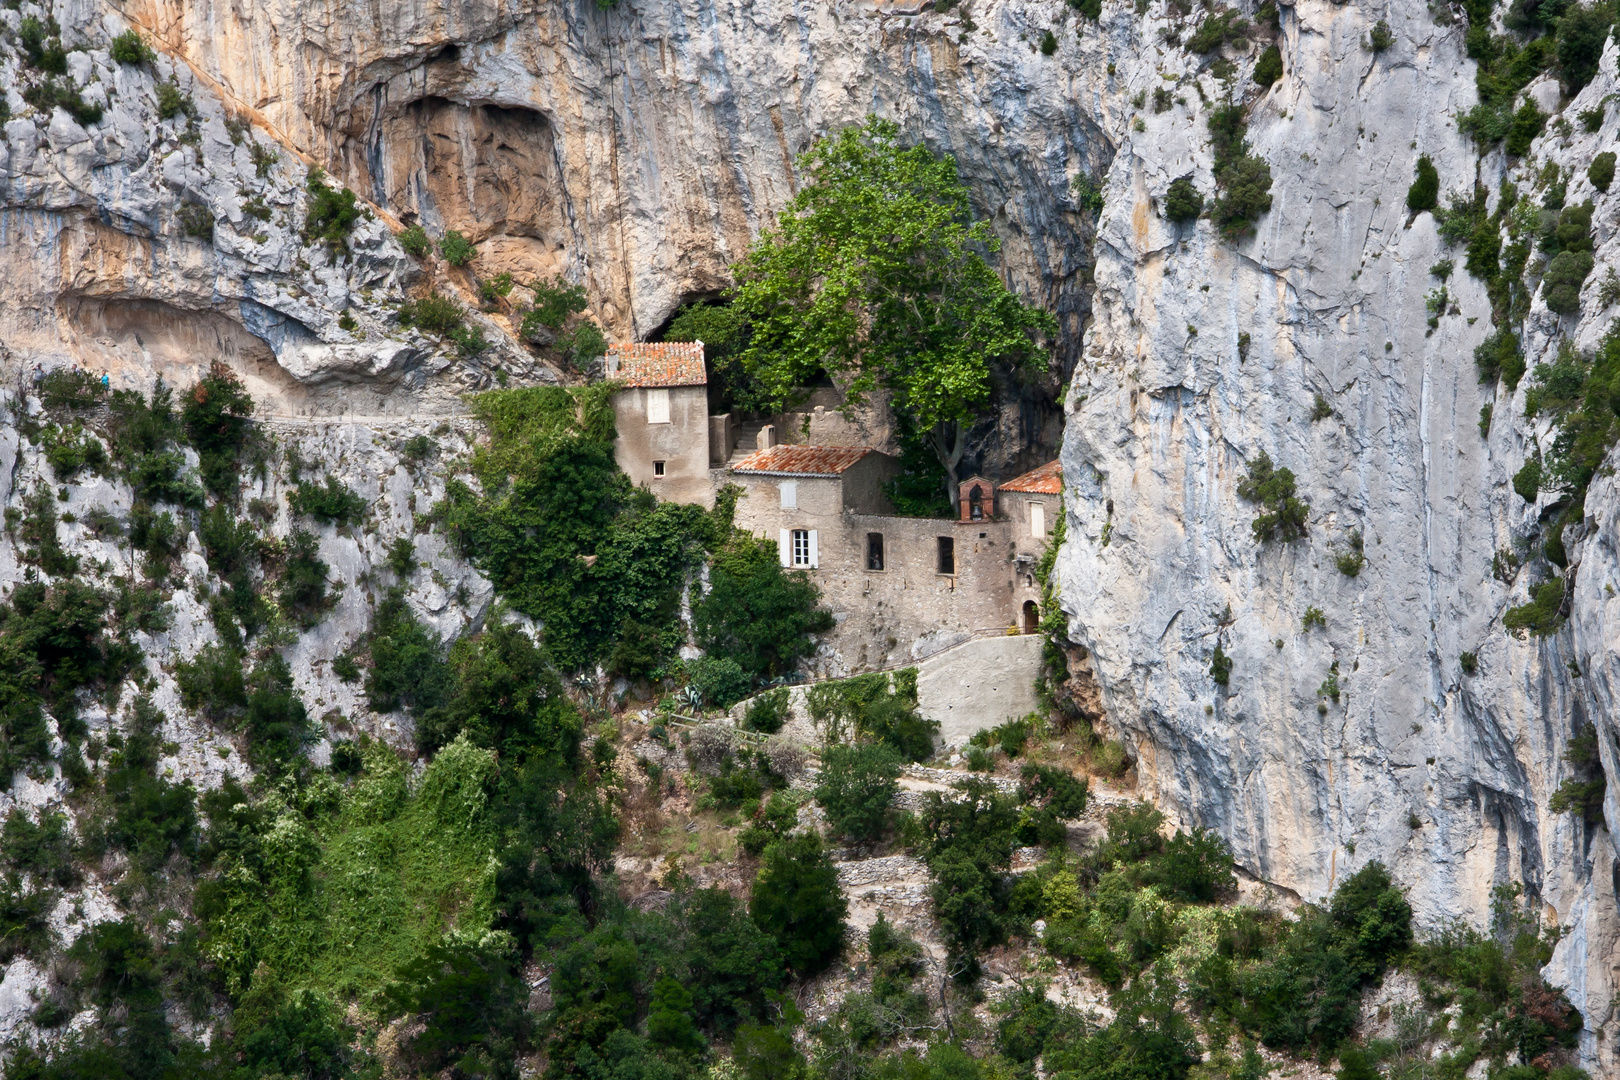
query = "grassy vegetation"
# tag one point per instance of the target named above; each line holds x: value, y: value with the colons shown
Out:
x: 881, y: 707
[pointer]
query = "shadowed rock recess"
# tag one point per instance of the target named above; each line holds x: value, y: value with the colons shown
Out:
x: 1417, y: 665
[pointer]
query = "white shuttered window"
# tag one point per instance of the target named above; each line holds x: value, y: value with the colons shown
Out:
x: 790, y: 494
x: 1037, y: 521
x: 658, y: 405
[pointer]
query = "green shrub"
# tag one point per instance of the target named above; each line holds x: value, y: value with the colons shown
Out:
x: 44, y: 848
x: 1527, y: 481
x: 1314, y: 617
x: 1498, y: 356
x: 757, y: 613
x: 1583, y: 792
x: 1528, y: 123
x: 41, y: 43
x: 171, y: 102
x: 967, y: 840
x: 1561, y: 285
x: 1582, y: 31
x: 1048, y: 43
x: 856, y: 787
x: 1148, y: 1039
x: 48, y: 94
x: 301, y: 592
x: 402, y: 557
x: 146, y: 435
x: 468, y: 1007
x: 1220, y: 666
x: 408, y: 668
x: 70, y: 449
x: 72, y: 389
x: 153, y: 820
x: 1243, y: 179
x: 1218, y: 28
x: 37, y: 536
x: 1381, y: 38
x: 128, y: 48
x: 330, y: 213
x: 331, y: 504
x: 1353, y: 557
x: 213, y: 683
x: 1183, y: 202
x: 432, y: 314
x: 1269, y: 67
x: 415, y: 241
x: 291, y: 1033
x: 215, y: 418
x: 470, y: 341
x: 275, y: 720
x: 797, y: 901
x: 719, y: 679
x: 775, y: 818
x: 1601, y: 171
x: 1542, y: 616
x: 1284, y: 515
x: 584, y: 343
x: 234, y: 548
x: 53, y: 644
x: 1469, y: 662
x: 506, y: 697
x: 551, y: 448
x: 554, y: 301
x: 196, y: 221
x: 1424, y: 194
x: 457, y: 249
x: 878, y: 706
x: 768, y: 712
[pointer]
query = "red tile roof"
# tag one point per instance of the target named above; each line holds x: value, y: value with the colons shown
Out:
x: 1046, y: 480
x: 801, y: 460
x: 661, y: 363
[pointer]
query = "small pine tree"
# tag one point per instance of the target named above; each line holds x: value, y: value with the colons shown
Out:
x: 1269, y: 68
x: 1424, y: 194
x: 797, y: 901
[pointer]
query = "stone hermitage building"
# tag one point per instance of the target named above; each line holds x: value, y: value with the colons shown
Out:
x: 900, y: 588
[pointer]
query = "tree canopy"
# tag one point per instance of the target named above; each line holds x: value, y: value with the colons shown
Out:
x: 878, y: 275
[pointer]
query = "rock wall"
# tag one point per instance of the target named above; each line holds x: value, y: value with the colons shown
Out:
x: 1443, y: 774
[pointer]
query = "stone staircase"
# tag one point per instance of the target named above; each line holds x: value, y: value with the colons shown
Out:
x: 747, y: 441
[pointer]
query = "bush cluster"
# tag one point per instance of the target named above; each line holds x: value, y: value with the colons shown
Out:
x: 880, y: 707
x: 1244, y: 179
x: 1283, y: 515
x: 331, y: 213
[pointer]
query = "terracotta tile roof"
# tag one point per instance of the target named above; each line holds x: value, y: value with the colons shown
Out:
x: 801, y: 460
x: 661, y: 363
x: 1046, y: 480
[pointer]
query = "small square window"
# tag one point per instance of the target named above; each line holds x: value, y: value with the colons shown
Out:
x: 658, y: 468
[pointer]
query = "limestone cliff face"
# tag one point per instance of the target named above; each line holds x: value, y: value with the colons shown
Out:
x: 638, y: 149
x: 1443, y: 774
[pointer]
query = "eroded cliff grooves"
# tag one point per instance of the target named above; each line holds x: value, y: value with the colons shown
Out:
x: 638, y: 149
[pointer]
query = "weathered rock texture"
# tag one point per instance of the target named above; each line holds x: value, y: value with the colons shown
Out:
x: 1444, y: 776
x: 639, y: 149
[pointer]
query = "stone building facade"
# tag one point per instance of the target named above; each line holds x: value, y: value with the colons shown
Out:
x: 1030, y: 504
x: 900, y: 588
x: 662, y: 417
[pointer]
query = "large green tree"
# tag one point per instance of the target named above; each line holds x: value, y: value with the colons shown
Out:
x: 877, y: 274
